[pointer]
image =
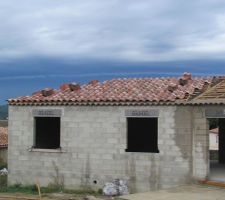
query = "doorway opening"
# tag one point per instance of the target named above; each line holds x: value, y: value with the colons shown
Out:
x: 217, y: 149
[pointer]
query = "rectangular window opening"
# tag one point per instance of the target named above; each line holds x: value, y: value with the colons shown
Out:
x: 47, y: 133
x: 142, y: 135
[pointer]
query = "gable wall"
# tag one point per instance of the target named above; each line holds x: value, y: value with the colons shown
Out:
x: 93, y: 141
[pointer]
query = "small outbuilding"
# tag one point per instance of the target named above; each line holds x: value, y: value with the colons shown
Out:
x: 214, y: 139
x: 151, y: 132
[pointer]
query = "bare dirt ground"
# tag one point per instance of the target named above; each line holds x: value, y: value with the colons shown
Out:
x: 188, y: 192
x: 55, y: 196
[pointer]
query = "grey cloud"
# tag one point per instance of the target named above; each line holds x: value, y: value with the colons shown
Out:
x: 127, y: 30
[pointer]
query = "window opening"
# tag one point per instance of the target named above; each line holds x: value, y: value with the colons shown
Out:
x: 47, y: 132
x: 142, y: 135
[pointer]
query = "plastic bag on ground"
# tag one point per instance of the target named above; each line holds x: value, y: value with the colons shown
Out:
x: 4, y: 171
x: 117, y: 187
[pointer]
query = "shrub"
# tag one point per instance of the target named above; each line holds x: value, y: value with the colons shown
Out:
x: 2, y: 164
x: 3, y: 181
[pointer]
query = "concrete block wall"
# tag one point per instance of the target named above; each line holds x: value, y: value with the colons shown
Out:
x: 93, y: 141
x: 200, y: 144
x: 201, y: 160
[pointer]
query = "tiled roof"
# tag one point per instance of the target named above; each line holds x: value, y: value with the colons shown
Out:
x: 3, y: 137
x: 215, y: 130
x: 130, y: 91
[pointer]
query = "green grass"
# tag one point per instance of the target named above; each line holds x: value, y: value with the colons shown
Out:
x: 81, y: 191
x: 18, y: 188
x: 32, y: 189
x: 3, y: 182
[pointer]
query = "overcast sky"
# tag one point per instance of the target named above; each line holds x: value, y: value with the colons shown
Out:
x: 47, y: 42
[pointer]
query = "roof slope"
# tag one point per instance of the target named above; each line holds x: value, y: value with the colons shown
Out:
x: 215, y: 130
x: 213, y: 95
x: 131, y: 91
x: 3, y: 137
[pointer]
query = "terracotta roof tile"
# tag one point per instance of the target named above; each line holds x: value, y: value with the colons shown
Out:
x: 3, y: 137
x: 215, y: 130
x: 128, y: 91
